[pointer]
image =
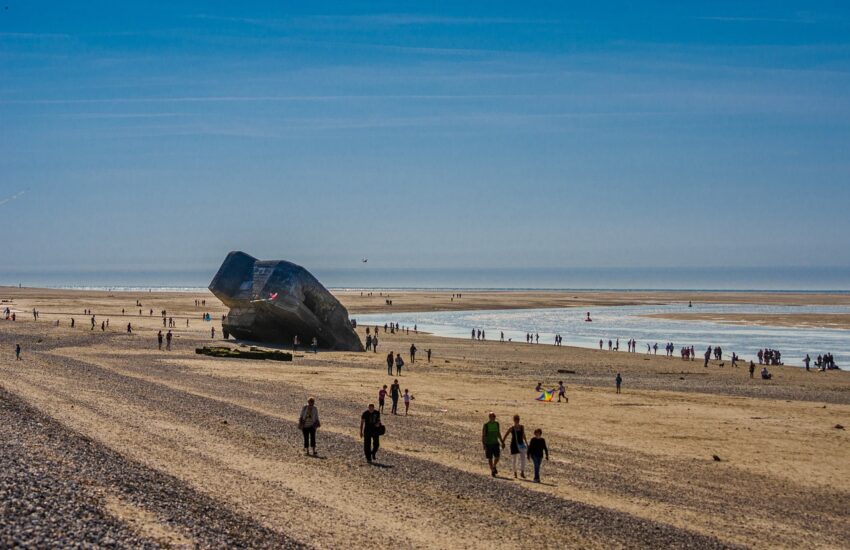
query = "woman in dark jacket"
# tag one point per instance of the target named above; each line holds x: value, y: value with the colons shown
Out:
x: 536, y: 449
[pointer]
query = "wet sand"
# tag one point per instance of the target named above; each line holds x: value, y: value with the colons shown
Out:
x: 404, y: 301
x: 629, y: 470
x: 803, y: 320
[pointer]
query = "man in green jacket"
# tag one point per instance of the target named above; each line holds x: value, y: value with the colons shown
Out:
x: 492, y: 441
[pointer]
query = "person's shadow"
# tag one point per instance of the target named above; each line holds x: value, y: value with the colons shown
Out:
x: 541, y: 483
x: 380, y: 465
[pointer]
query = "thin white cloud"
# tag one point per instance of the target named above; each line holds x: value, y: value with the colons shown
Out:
x: 121, y: 115
x: 266, y: 99
x: 34, y: 35
x: 11, y: 198
x: 372, y: 20
x: 805, y: 19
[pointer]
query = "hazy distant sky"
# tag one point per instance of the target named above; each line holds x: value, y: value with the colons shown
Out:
x: 157, y: 134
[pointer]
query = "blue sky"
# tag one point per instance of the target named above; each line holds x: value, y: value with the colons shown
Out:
x: 482, y: 134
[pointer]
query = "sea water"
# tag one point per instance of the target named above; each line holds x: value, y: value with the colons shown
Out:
x: 625, y: 322
x: 369, y: 276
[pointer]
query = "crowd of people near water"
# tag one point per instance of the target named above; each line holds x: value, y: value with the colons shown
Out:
x: 769, y: 357
x: 823, y: 362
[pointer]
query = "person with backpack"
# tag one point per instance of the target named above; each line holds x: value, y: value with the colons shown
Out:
x: 399, y: 362
x: 308, y: 422
x: 371, y: 430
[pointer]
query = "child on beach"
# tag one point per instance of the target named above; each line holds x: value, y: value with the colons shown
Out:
x: 407, y: 397
x: 536, y: 449
x: 382, y: 395
x: 619, y: 381
x: 562, y: 392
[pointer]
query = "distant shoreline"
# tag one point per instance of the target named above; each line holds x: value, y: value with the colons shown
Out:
x: 396, y: 279
x: 202, y: 289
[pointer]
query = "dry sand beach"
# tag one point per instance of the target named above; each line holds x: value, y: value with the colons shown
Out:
x: 110, y: 439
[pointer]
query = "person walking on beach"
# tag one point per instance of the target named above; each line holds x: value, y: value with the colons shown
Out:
x: 308, y: 421
x: 536, y: 449
x: 399, y: 362
x: 129, y: 328
x: 212, y: 333
x: 168, y: 338
x: 519, y: 446
x: 806, y: 361
x: 17, y: 352
x: 159, y: 340
x: 752, y: 369
x: 428, y: 354
x: 406, y: 398
x: 368, y: 342
x: 618, y: 381
x: 375, y: 342
x: 314, y: 345
x: 370, y: 428
x: 395, y: 391
x: 562, y: 392
x: 382, y: 396
x: 491, y: 439
x: 412, y: 354
x: 390, y: 363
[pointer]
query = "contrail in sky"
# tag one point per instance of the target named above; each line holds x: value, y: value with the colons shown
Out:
x: 13, y: 197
